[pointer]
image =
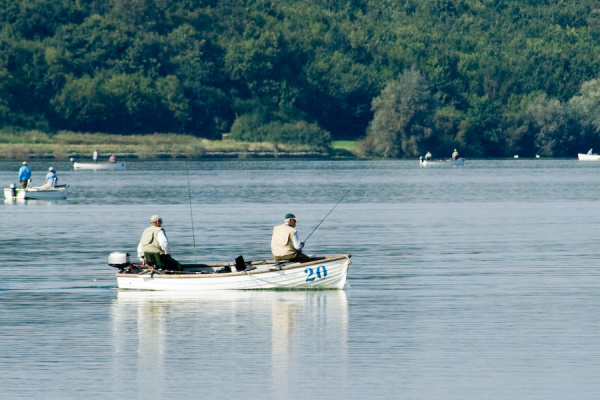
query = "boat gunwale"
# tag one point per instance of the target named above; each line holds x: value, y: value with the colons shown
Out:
x: 459, y: 160
x: 102, y: 165
x: 56, y: 188
x: 274, y: 268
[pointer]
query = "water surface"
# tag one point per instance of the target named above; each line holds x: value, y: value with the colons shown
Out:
x: 474, y: 282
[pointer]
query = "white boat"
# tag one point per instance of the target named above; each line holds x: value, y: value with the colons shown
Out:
x: 588, y: 157
x: 441, y: 163
x: 94, y: 166
x: 35, y: 193
x: 321, y: 273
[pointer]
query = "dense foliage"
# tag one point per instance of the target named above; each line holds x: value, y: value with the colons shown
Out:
x: 490, y: 77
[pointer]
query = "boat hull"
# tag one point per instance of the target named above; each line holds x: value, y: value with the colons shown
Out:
x: 95, y: 166
x: 441, y: 163
x: 58, y: 193
x: 328, y: 273
x: 588, y: 157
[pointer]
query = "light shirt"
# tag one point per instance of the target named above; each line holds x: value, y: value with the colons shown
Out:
x: 24, y: 173
x: 590, y: 152
x: 296, y: 242
x: 51, y: 178
x: 162, y: 241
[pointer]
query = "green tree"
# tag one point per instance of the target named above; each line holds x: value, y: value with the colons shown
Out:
x: 549, y: 120
x: 403, y: 117
x: 585, y: 106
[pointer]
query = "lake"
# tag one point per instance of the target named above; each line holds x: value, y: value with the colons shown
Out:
x: 473, y: 282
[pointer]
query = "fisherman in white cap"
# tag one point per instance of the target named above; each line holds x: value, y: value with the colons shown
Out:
x: 24, y: 175
x: 51, y: 179
x: 153, y: 249
x: 455, y: 155
x: 285, y: 244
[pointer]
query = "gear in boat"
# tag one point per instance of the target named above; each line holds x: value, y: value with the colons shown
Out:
x: 121, y: 261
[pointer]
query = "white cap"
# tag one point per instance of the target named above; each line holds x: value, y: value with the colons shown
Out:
x: 155, y: 218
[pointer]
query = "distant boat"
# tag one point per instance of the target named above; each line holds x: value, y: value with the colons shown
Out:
x: 588, y: 157
x: 320, y: 273
x: 441, y: 163
x: 35, y: 193
x: 94, y: 166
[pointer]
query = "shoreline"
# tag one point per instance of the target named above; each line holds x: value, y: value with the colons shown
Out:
x: 180, y: 156
x: 64, y: 146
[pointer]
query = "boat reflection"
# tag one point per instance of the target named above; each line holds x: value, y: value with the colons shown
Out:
x: 266, y: 329
x: 32, y: 202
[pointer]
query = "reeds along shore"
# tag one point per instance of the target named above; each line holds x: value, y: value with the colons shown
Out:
x: 65, y: 145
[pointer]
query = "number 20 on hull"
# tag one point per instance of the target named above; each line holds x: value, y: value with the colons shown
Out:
x: 321, y: 273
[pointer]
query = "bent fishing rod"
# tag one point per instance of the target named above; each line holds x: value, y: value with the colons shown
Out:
x: 344, y: 196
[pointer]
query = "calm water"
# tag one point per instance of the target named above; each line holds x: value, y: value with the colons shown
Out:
x: 476, y: 282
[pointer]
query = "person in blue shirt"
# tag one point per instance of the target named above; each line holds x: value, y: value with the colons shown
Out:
x: 590, y: 152
x: 24, y: 175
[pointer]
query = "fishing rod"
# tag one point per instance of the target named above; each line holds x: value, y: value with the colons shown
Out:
x: 187, y: 170
x: 349, y: 190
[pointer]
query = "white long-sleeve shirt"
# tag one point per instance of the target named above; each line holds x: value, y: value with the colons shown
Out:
x: 162, y: 241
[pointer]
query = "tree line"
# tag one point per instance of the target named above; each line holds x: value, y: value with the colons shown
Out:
x: 490, y: 77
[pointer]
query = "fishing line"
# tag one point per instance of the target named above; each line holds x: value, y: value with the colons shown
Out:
x: 187, y: 170
x: 349, y: 190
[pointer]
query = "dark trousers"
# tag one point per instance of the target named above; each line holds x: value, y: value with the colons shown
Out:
x: 163, y: 261
x: 169, y: 263
x: 296, y: 257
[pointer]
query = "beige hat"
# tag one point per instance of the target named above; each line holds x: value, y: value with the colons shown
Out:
x: 24, y: 162
x: 155, y: 218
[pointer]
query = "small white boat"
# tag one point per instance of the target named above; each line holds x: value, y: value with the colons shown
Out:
x: 35, y: 193
x: 588, y: 157
x: 321, y: 273
x: 94, y: 166
x: 441, y: 163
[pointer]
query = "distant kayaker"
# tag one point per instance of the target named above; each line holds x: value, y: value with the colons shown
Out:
x: 455, y: 155
x: 95, y: 156
x: 24, y: 175
x: 154, y: 250
x: 285, y: 244
x: 51, y: 179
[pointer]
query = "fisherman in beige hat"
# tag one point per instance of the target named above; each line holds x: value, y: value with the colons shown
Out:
x: 153, y: 249
x: 285, y: 244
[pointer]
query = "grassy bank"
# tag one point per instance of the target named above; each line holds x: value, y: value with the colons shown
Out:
x: 64, y: 145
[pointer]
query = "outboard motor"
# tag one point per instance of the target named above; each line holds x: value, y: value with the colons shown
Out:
x: 119, y: 260
x: 13, y: 189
